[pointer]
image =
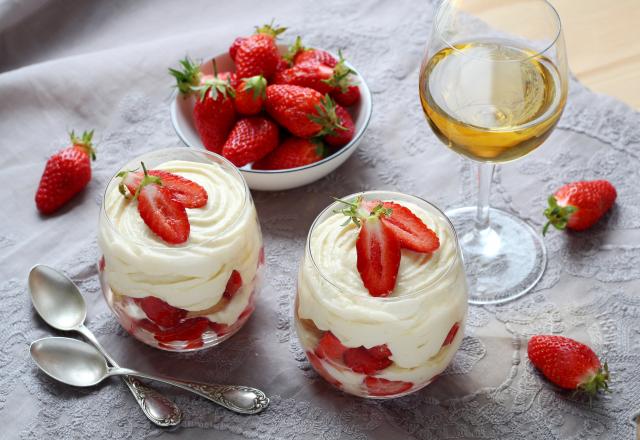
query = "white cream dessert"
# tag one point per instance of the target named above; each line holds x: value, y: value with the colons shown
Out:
x: 224, y: 242
x: 414, y: 322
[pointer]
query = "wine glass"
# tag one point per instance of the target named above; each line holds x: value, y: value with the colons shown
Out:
x: 493, y: 84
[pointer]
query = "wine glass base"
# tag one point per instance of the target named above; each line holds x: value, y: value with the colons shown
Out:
x: 503, y: 261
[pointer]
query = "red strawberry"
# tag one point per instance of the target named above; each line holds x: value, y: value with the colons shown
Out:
x: 299, y: 54
x: 365, y: 361
x: 412, y: 233
x: 568, y: 363
x: 283, y: 64
x: 579, y: 205
x: 65, y: 174
x: 161, y: 212
x: 453, y: 331
x: 379, y: 387
x: 258, y: 54
x: 250, y: 95
x: 186, y: 331
x: 233, y: 49
x: 230, y: 77
x: 316, y: 76
x: 219, y: 329
x: 330, y: 347
x: 185, y: 191
x: 214, y: 113
x: 378, y: 252
x: 251, y: 139
x: 301, y: 110
x: 348, y: 96
x: 160, y: 312
x: 292, y: 153
x: 321, y: 370
x: 233, y: 285
x: 344, y: 133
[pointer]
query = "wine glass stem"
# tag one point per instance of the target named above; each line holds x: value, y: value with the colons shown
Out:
x: 485, y: 175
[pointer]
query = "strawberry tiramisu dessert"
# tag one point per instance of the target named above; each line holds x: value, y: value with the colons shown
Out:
x: 181, y: 249
x: 382, y: 294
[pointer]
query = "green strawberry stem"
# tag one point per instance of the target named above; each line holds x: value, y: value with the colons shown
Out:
x: 84, y: 142
x: 270, y: 29
x: 326, y: 117
x: 294, y: 49
x: 341, y: 75
x: 597, y: 382
x: 558, y: 215
x: 214, y: 86
x: 354, y: 210
x: 188, y: 77
x: 258, y: 84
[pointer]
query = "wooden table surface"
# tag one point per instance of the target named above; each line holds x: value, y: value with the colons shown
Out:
x: 603, y: 41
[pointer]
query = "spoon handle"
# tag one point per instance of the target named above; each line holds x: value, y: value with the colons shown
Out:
x: 237, y: 398
x: 159, y: 409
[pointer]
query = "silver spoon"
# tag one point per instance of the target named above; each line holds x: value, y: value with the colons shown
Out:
x: 79, y: 364
x: 60, y: 304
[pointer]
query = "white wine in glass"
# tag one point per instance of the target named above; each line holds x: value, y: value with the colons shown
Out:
x: 494, y: 93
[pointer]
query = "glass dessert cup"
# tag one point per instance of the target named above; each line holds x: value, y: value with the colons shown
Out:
x: 192, y: 295
x: 380, y: 347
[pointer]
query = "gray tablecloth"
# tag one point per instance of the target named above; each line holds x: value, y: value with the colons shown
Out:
x: 102, y: 65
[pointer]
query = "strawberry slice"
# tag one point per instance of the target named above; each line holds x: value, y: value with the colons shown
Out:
x: 160, y: 312
x: 452, y: 334
x: 379, y: 387
x: 220, y: 329
x: 330, y: 347
x: 185, y: 191
x: 378, y: 252
x: 380, y: 352
x: 365, y: 361
x: 160, y: 211
x: 412, y: 233
x: 188, y: 330
x: 233, y: 285
x: 319, y: 367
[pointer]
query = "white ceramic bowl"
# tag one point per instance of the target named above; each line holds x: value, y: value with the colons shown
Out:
x: 276, y: 180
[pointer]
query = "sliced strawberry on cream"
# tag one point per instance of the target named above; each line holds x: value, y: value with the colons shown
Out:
x: 185, y: 191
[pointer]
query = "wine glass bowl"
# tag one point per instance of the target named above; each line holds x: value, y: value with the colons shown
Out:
x: 493, y: 85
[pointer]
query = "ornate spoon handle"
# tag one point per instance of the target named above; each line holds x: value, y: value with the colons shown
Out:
x: 237, y: 398
x: 159, y: 410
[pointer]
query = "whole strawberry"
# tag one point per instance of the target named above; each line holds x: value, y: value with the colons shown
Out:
x: 258, y: 53
x: 318, y: 76
x: 250, y: 95
x: 292, y: 153
x: 568, y: 363
x: 343, y: 134
x: 303, y: 111
x: 579, y: 205
x: 213, y: 113
x: 66, y: 173
x: 251, y: 139
x: 299, y: 54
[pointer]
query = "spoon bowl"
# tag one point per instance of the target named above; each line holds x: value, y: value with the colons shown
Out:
x: 69, y: 361
x: 56, y: 298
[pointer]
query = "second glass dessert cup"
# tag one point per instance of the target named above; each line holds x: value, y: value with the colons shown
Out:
x: 380, y: 347
x: 193, y: 295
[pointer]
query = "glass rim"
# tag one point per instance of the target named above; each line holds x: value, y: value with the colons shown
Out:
x: 556, y: 15
x: 411, y: 294
x: 209, y: 154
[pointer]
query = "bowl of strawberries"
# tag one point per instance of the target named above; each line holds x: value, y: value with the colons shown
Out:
x: 286, y: 116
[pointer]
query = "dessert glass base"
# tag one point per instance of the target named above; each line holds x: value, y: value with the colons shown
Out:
x: 503, y: 261
x: 190, y: 332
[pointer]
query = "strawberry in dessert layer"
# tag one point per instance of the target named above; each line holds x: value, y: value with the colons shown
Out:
x: 182, y: 250
x: 382, y: 300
